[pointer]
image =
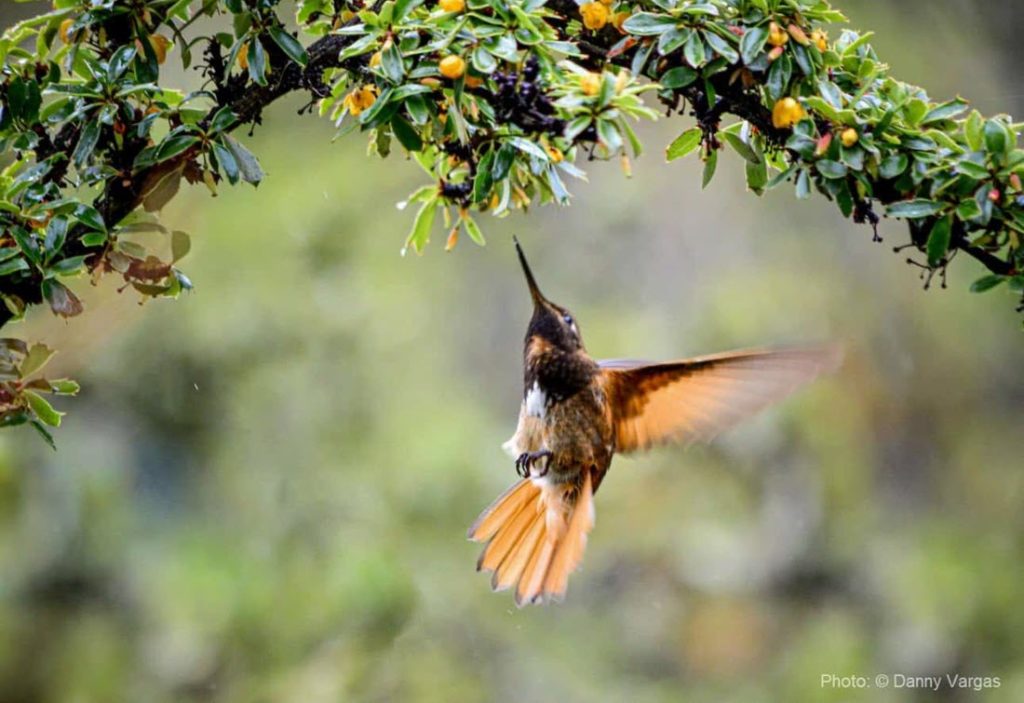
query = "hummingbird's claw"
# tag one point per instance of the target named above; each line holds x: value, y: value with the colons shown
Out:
x: 526, y: 460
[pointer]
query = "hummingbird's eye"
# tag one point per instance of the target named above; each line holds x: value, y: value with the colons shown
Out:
x: 568, y: 319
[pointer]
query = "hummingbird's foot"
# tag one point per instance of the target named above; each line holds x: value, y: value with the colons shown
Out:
x: 526, y: 461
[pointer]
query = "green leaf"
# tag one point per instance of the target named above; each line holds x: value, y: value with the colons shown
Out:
x: 997, y: 137
x: 803, y: 185
x: 972, y: 170
x: 257, y: 62
x: 181, y: 243
x: 693, y: 50
x: 757, y: 175
x: 913, y: 209
x: 831, y: 169
x: 945, y: 111
x: 893, y: 165
x: 938, y: 240
x: 13, y: 265
x: 987, y: 283
x: 86, y: 142
x: 174, y: 146
x: 289, y: 45
x: 42, y: 409
x: 65, y: 386
x: 741, y: 147
x: 483, y: 60
x: 248, y: 166
x: 752, y: 43
x: 406, y: 134
x: 722, y: 47
x: 968, y: 209
x: 421, y: 226
x: 391, y: 63
x: 710, y: 164
x: 473, y: 230
x: 974, y: 131
x: 683, y: 144
x: 37, y: 357
x: 678, y: 77
x: 648, y: 24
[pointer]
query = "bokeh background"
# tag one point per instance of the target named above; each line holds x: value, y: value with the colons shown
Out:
x: 263, y: 490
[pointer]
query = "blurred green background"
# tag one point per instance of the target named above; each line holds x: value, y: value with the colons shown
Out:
x: 262, y: 493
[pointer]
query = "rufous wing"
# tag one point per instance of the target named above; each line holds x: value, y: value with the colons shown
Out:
x: 695, y: 399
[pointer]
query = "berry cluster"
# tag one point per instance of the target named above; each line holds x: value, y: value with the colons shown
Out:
x: 520, y: 100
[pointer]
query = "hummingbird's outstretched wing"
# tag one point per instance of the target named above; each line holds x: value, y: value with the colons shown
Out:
x: 695, y: 399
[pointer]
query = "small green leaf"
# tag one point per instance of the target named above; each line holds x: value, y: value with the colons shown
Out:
x: 678, y: 77
x: 421, y: 226
x: 248, y: 166
x: 741, y: 147
x: 473, y: 230
x: 42, y: 409
x: 912, y: 209
x: 938, y: 240
x: 997, y: 138
x: 37, y: 357
x: 648, y: 24
x: 86, y: 142
x: 831, y: 169
x: 683, y: 144
x: 987, y: 283
x: 289, y: 45
x: 710, y: 164
x: 752, y: 43
x: 181, y: 244
x: 893, y: 165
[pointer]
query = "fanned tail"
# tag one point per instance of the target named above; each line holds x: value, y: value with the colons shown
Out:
x: 536, y: 536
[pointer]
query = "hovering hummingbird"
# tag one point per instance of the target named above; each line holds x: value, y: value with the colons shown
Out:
x: 577, y: 413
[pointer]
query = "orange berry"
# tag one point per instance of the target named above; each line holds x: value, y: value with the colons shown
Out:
x: 452, y: 67
x: 65, y: 30
x: 777, y: 36
x: 243, y: 57
x: 786, y: 113
x: 820, y: 39
x: 595, y: 15
x: 452, y: 5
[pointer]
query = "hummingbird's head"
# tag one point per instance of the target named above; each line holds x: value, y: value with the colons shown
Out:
x: 550, y: 322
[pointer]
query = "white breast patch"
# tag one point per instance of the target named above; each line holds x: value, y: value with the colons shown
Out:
x: 536, y: 401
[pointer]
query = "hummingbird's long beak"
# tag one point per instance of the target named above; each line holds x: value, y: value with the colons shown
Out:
x: 538, y: 297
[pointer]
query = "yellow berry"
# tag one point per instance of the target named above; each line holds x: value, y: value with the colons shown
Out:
x: 158, y: 43
x: 65, y: 30
x: 849, y: 137
x: 777, y: 36
x: 243, y: 57
x: 590, y: 83
x: 618, y: 18
x: 452, y: 5
x: 786, y: 113
x: 595, y: 15
x: 452, y: 67
x: 820, y: 39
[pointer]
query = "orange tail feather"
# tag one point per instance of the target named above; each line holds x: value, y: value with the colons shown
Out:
x: 536, y: 536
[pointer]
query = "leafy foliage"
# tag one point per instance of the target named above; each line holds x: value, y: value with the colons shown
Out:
x: 496, y: 100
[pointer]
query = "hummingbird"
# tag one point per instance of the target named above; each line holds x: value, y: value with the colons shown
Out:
x: 577, y: 413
